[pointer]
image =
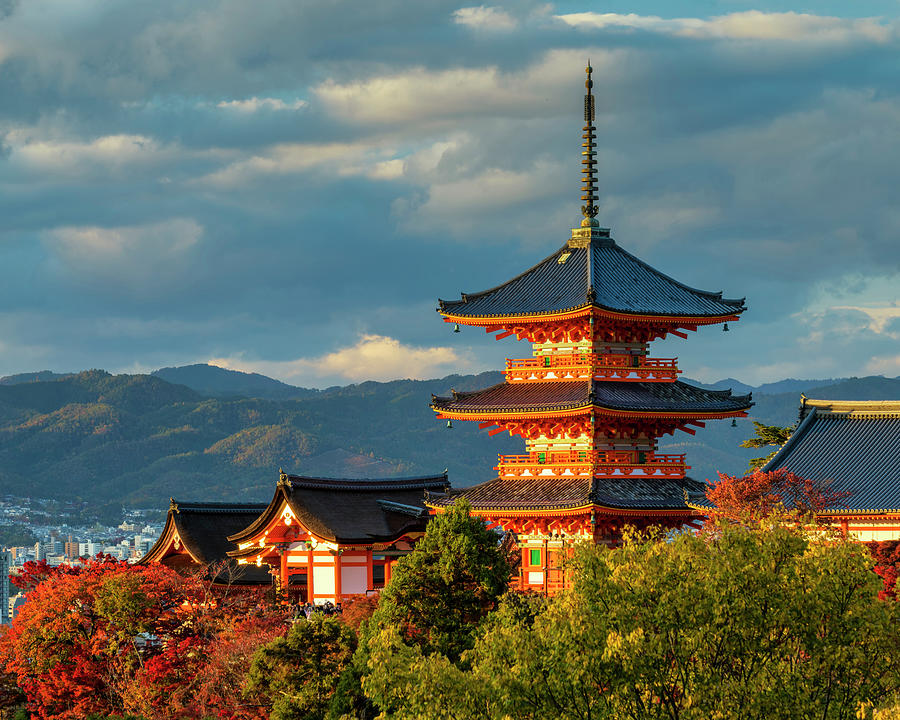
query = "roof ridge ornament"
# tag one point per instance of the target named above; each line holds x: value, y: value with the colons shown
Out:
x: 590, y: 227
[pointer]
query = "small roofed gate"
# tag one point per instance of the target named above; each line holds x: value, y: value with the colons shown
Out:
x: 590, y: 404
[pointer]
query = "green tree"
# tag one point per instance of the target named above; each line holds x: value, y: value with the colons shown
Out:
x: 440, y: 592
x: 766, y: 436
x: 748, y: 622
x: 299, y: 672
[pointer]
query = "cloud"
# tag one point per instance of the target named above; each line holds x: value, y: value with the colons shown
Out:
x: 255, y: 104
x: 482, y: 17
x: 751, y: 25
x: 135, y: 258
x: 373, y: 357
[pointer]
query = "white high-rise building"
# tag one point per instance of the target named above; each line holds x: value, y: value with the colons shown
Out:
x: 5, y: 562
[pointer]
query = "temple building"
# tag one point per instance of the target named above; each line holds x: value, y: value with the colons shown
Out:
x: 854, y: 444
x: 195, y: 538
x: 327, y: 539
x: 590, y: 403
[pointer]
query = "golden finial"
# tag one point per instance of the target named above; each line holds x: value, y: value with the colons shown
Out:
x: 588, y: 160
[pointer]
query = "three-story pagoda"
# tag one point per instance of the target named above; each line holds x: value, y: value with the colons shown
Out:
x: 591, y: 403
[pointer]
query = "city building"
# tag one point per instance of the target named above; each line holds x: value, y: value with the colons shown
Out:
x: 5, y: 565
x: 591, y: 402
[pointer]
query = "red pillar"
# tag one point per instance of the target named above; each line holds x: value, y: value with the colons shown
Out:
x: 370, y: 583
x: 387, y: 571
x: 283, y: 572
x: 337, y: 576
x: 310, y: 590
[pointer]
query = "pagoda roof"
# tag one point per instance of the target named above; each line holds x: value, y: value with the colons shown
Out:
x: 601, y: 275
x: 560, y: 493
x: 650, y: 397
x: 855, y: 444
x: 351, y: 511
x: 203, y: 530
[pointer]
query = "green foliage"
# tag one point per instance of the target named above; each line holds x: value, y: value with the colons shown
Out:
x: 299, y: 673
x: 766, y: 436
x: 440, y: 592
x: 745, y: 623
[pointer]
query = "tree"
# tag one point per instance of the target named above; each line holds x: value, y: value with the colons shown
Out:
x: 766, y: 436
x: 748, y: 623
x: 110, y: 638
x: 87, y: 631
x: 887, y: 565
x: 759, y: 494
x: 440, y: 592
x: 299, y: 673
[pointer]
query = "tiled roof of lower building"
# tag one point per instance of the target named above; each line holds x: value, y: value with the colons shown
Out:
x: 352, y: 511
x: 629, y: 396
x: 855, y: 445
x: 203, y: 529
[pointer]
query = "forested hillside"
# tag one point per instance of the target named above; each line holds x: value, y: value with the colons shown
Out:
x: 139, y: 439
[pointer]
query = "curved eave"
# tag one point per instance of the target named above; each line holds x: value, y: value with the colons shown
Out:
x: 586, y: 310
x: 164, y: 543
x: 265, y: 518
x: 568, y: 510
x: 534, y: 413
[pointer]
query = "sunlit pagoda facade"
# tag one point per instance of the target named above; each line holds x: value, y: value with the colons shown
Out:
x: 591, y: 402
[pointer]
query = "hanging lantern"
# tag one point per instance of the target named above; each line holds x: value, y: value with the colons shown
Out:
x: 449, y: 424
x: 725, y: 329
x: 733, y: 422
x: 456, y: 327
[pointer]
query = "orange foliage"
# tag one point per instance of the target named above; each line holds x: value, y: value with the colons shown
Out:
x: 761, y: 493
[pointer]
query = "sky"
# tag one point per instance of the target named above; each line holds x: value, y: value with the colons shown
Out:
x: 287, y: 188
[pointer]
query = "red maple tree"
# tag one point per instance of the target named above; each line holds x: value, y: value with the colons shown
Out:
x: 760, y: 493
x: 112, y: 638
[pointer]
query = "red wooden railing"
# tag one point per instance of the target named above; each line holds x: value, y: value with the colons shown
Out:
x: 584, y: 366
x: 599, y: 464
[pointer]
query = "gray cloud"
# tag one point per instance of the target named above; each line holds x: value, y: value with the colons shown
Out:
x: 272, y: 183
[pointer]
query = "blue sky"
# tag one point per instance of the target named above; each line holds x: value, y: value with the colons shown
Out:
x: 288, y: 187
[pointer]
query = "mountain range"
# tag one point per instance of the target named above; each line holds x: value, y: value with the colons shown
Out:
x: 201, y: 432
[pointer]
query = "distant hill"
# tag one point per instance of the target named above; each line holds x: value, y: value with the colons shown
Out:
x: 139, y: 439
x: 782, y: 386
x: 221, y: 382
x: 40, y: 376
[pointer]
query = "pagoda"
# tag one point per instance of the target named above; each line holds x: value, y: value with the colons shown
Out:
x: 591, y: 403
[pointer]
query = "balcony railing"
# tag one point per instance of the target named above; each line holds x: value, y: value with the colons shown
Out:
x: 592, y: 464
x: 587, y: 366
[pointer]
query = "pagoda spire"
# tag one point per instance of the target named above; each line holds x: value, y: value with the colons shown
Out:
x: 588, y: 161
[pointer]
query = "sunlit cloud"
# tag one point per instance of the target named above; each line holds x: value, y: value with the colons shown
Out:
x: 372, y: 357
x: 483, y: 17
x: 255, y: 104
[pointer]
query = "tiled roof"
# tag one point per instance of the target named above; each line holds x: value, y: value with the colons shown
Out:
x: 856, y: 445
x: 603, y: 275
x: 648, y: 396
x: 539, y: 493
x: 352, y: 511
x: 204, y: 529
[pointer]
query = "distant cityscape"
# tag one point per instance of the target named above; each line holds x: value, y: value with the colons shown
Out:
x: 61, y: 543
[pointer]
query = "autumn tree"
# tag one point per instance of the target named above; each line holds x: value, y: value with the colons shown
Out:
x: 759, y: 493
x: 749, y: 623
x: 766, y: 436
